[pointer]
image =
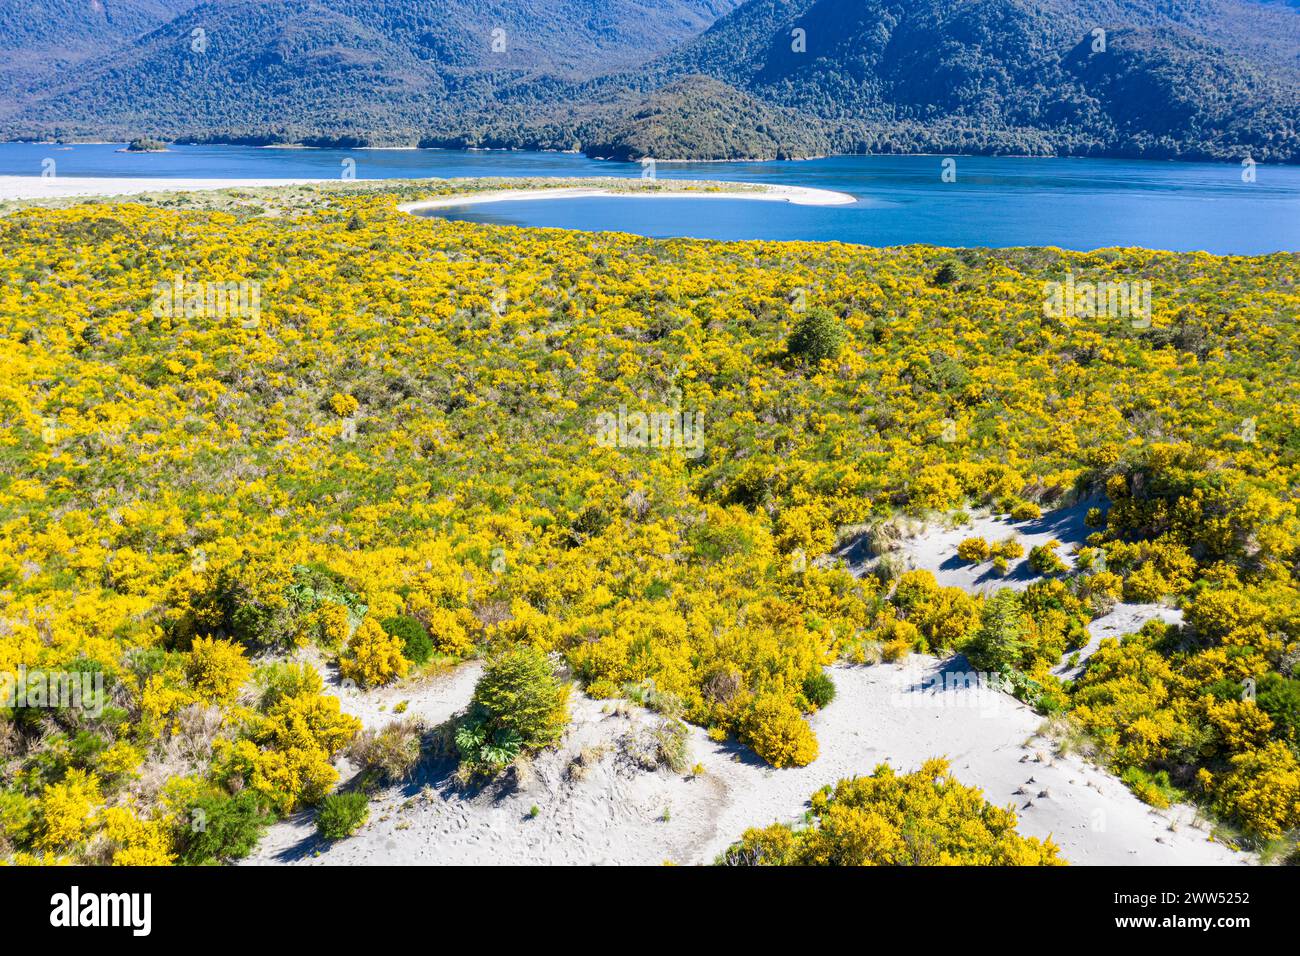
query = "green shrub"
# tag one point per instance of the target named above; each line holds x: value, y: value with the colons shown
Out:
x: 218, y: 827
x: 341, y: 814
x: 817, y: 336
x: 1279, y: 697
x: 999, y: 643
x: 1044, y: 559
x: 417, y: 646
x: 948, y: 274
x: 518, y: 704
x: 819, y: 689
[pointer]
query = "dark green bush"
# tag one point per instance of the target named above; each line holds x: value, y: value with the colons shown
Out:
x: 518, y: 705
x: 1280, y: 699
x: 818, y: 335
x: 948, y: 274
x: 341, y: 814
x: 819, y: 689
x: 417, y: 646
x: 219, y: 827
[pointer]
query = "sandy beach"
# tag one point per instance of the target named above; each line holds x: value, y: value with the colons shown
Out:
x: 62, y: 187
x: 902, y: 714
x: 797, y: 195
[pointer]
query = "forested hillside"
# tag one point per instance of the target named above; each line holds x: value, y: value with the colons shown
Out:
x: 1189, y: 79
x: 42, y: 38
x: 1199, y: 79
x: 372, y: 70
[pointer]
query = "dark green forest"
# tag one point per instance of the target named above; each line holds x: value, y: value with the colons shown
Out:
x: 1176, y: 79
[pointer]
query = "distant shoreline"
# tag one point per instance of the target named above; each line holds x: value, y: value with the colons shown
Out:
x: 665, y: 160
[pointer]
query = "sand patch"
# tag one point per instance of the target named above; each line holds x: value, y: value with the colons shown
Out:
x: 614, y: 812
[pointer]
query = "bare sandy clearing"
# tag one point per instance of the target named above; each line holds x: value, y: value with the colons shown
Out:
x: 619, y: 813
x: 934, y: 548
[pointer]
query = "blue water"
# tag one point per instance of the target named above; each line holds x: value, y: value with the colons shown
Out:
x: 1072, y: 203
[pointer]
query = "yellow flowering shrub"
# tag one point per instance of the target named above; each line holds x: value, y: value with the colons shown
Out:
x: 386, y: 442
x: 926, y: 818
x: 286, y: 754
x: 373, y: 657
x: 66, y: 810
x: 450, y: 630
x: 1262, y: 788
x: 216, y: 669
x: 136, y: 841
x: 779, y: 734
x: 343, y: 405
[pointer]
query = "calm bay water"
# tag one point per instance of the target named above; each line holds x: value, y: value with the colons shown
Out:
x: 1072, y: 203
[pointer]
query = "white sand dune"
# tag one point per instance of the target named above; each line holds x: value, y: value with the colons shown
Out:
x: 619, y: 813
x: 901, y: 714
x: 934, y: 548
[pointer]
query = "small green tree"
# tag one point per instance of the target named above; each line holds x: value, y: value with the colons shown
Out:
x: 948, y: 274
x: 998, y: 644
x: 219, y: 827
x: 817, y: 336
x: 518, y: 704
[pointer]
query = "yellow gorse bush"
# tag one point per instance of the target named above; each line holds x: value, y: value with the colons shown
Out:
x: 372, y: 656
x: 924, y: 818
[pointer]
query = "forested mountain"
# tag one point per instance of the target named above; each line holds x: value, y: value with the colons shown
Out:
x: 627, y: 78
x: 42, y: 38
x: 373, y: 70
x: 1134, y: 76
x: 1182, y: 79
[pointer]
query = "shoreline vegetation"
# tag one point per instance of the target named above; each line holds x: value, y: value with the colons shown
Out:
x: 386, y: 474
x: 450, y: 145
